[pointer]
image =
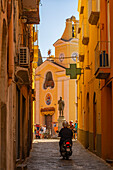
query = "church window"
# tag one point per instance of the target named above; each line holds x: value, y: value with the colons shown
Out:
x: 48, y: 81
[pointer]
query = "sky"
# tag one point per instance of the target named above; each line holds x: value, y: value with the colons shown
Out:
x: 53, y: 15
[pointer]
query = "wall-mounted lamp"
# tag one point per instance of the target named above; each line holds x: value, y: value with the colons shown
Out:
x: 24, y: 19
x: 87, y: 67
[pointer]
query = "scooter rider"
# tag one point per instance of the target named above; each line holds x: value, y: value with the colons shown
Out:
x: 65, y: 133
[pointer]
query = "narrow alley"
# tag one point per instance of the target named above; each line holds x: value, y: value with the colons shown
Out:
x: 45, y: 156
x: 56, y: 81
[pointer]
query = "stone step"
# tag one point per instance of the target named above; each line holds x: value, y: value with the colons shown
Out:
x: 21, y: 167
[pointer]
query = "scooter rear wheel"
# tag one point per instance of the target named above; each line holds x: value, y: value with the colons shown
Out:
x: 67, y: 157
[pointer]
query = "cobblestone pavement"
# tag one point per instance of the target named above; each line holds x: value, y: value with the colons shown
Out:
x: 45, y: 156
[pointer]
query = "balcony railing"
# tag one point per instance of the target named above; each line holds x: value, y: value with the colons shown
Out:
x: 102, y: 55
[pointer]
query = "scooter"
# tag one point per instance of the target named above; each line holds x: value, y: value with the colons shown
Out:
x: 66, y: 149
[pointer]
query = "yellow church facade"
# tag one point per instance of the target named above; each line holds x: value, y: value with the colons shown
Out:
x: 51, y: 81
x: 89, y: 90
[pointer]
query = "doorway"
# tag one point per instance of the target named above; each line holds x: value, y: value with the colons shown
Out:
x: 3, y: 97
x: 23, y: 125
x: 18, y: 124
x: 87, y: 119
x: 108, y: 123
x: 48, y: 123
x: 94, y: 121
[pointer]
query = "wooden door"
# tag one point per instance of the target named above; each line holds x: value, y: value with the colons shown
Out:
x: 48, y: 122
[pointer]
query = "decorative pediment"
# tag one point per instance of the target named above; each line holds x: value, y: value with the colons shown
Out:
x: 22, y: 75
x: 62, y: 42
x: 74, y: 40
x: 49, y: 64
x: 59, y: 42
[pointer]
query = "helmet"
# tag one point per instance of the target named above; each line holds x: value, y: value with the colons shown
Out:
x: 71, y: 121
x: 65, y: 124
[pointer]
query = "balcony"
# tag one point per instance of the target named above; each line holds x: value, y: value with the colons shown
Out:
x: 85, y: 32
x: 94, y: 17
x: 102, y: 60
x: 93, y: 12
x: 79, y: 30
x: 81, y: 9
x: 81, y: 52
x: 22, y: 76
x: 81, y: 57
x: 31, y: 11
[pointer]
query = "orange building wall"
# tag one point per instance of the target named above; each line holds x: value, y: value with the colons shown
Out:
x: 107, y: 86
x: 111, y: 35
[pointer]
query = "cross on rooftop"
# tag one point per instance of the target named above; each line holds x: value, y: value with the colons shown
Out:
x: 73, y: 71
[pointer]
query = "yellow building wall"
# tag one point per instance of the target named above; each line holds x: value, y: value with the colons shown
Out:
x: 88, y: 84
x: 68, y: 50
x: 34, y: 66
x: 62, y: 49
x: 72, y: 96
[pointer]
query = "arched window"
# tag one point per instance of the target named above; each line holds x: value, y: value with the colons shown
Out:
x: 48, y: 81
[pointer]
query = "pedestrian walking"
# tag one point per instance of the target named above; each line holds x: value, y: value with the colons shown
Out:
x: 44, y: 131
x: 76, y: 128
x: 41, y: 131
x: 71, y: 126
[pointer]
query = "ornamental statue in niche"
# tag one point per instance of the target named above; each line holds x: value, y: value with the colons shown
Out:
x: 48, y: 81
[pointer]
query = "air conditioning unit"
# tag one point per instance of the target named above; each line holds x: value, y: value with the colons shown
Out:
x: 23, y: 56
